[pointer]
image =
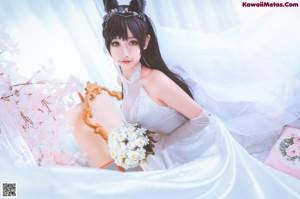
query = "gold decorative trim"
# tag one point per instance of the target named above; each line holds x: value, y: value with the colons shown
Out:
x: 91, y: 92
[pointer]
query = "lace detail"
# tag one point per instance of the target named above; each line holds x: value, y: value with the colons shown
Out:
x: 135, y: 76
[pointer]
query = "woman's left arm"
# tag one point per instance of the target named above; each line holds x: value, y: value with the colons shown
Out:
x: 170, y: 94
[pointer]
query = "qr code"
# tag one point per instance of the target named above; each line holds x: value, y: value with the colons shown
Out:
x: 9, y: 190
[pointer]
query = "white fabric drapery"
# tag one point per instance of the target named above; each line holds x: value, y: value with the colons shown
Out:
x: 69, y: 32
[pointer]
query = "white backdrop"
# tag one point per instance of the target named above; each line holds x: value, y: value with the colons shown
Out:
x: 68, y: 32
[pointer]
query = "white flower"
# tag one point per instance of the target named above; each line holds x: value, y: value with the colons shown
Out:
x: 122, y: 136
x: 131, y: 128
x: 131, y: 145
x: 112, y: 135
x: 119, y: 161
x: 126, y: 144
x: 123, y: 155
x: 122, y: 147
x: 112, y: 144
x: 141, y: 141
x: 142, y: 153
x: 133, y: 155
x: 142, y: 131
x: 113, y: 154
x: 132, y: 134
x: 131, y: 162
x: 122, y: 129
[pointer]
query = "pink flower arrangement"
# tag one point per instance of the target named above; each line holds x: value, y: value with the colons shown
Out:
x: 293, y: 151
x: 296, y: 140
x: 36, y: 106
x: 290, y: 149
x: 60, y: 158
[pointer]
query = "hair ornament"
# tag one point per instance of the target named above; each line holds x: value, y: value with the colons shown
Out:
x: 110, y: 4
x: 137, y: 5
x: 135, y: 8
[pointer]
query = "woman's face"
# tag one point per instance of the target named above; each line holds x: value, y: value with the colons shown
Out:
x: 126, y: 53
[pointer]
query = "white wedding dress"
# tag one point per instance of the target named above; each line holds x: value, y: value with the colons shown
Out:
x: 210, y: 164
x: 248, y: 76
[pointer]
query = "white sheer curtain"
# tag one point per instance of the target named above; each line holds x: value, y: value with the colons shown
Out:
x: 66, y: 32
x: 69, y: 32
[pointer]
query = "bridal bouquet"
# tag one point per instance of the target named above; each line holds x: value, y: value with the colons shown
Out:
x: 130, y: 145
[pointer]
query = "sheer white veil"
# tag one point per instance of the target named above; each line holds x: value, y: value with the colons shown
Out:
x: 249, y: 75
x: 12, y: 144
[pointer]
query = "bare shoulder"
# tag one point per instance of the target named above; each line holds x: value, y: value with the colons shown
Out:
x: 164, y: 91
x: 152, y: 77
x: 152, y: 81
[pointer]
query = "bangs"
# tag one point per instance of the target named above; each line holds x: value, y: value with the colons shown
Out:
x: 117, y: 27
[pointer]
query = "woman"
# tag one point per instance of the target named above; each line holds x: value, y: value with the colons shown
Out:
x: 150, y: 88
x: 195, y: 155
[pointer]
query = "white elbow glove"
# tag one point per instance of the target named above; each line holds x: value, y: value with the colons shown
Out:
x: 185, y: 130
